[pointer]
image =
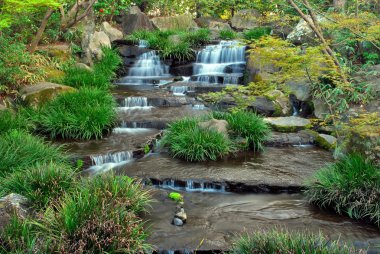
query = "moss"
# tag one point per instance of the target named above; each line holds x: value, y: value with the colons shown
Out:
x: 53, y: 75
x: 323, y: 143
x: 176, y: 196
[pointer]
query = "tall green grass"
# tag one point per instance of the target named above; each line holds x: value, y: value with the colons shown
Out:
x: 351, y: 186
x: 20, y: 150
x: 186, y: 140
x: 247, y: 125
x: 40, y: 184
x: 82, y: 115
x: 12, y: 121
x: 283, y: 242
x: 227, y: 34
x: 100, y: 77
x: 256, y: 33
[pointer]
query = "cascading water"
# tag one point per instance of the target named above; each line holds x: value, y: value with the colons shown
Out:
x: 190, y: 186
x: 106, y: 162
x: 220, y: 64
x: 179, y: 90
x: 147, y: 68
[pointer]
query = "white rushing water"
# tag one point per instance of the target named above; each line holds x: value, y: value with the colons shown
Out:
x: 192, y: 186
x: 224, y: 62
x: 131, y: 103
x: 179, y: 90
x: 106, y: 162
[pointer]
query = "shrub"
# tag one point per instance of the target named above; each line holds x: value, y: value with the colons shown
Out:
x: 285, y: 242
x: 227, y: 34
x: 350, y: 186
x: 256, y: 33
x: 100, y: 216
x: 81, y: 115
x: 12, y: 121
x: 180, y: 51
x: 101, y: 76
x: 186, y: 140
x: 247, y: 125
x: 41, y: 184
x: 197, y: 38
x: 19, y: 150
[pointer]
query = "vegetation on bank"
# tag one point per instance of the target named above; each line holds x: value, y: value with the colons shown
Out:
x: 280, y: 241
x: 173, y: 44
x: 350, y: 187
x: 188, y: 140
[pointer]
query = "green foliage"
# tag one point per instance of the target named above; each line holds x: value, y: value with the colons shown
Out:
x: 41, y: 184
x: 112, y: 7
x: 350, y: 186
x: 101, y: 76
x: 177, y: 197
x: 100, y: 216
x: 227, y: 34
x: 186, y: 140
x: 257, y: 33
x: 247, y: 125
x: 12, y: 121
x: 284, y: 242
x: 19, y: 150
x: 197, y: 38
x: 180, y: 51
x: 85, y: 114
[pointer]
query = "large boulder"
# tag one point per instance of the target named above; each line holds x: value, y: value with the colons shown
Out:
x: 321, y: 109
x: 136, y: 20
x: 325, y: 141
x: 97, y: 42
x: 113, y: 33
x: 302, y: 33
x: 220, y: 126
x: 300, y: 88
x: 264, y: 106
x: 184, y: 21
x: 13, y: 205
x: 246, y: 19
x: 42, y: 92
x: 288, y: 124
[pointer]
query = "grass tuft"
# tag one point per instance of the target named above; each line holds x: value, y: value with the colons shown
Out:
x: 12, y: 121
x: 257, y: 33
x: 350, y: 186
x: 227, y: 34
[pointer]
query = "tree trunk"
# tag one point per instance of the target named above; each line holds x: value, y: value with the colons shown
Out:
x: 74, y: 16
x: 40, y: 31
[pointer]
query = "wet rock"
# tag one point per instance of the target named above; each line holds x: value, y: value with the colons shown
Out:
x: 325, y: 141
x: 13, y: 204
x: 279, y: 139
x: 113, y: 33
x: 136, y: 20
x: 220, y: 126
x: 288, y: 124
x: 178, y: 222
x: 42, y: 92
x: 302, y: 33
x: 245, y: 19
x: 184, y: 21
x: 99, y: 40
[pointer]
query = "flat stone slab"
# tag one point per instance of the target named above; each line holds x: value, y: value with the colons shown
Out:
x: 276, y: 169
x: 288, y: 123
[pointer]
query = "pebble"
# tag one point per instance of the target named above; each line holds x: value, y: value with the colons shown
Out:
x: 178, y: 222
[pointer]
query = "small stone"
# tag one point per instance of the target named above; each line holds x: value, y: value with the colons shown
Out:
x: 326, y: 141
x: 178, y: 222
x: 181, y: 215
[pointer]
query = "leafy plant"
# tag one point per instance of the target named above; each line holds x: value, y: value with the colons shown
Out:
x: 350, y: 186
x: 197, y: 38
x: 186, y: 140
x: 284, y: 242
x: 85, y: 114
x: 12, y: 121
x: 176, y: 196
x: 257, y: 33
x: 227, y: 34
x: 247, y: 125
x: 41, y: 184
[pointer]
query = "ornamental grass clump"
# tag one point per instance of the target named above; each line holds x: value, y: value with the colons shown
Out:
x: 350, y: 186
x: 284, y: 242
x: 13, y: 121
x: 187, y: 140
x: 247, y: 125
x: 85, y: 114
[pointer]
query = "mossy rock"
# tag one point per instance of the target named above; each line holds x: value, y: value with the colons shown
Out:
x: 43, y: 92
x: 53, y: 74
x: 327, y: 142
x: 288, y: 124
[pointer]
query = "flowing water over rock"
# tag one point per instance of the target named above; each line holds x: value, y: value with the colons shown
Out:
x: 135, y: 103
x: 223, y: 63
x: 179, y: 90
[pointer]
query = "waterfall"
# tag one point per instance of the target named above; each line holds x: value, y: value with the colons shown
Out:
x: 132, y: 102
x: 179, y: 90
x: 112, y: 157
x: 223, y: 63
x: 191, y: 185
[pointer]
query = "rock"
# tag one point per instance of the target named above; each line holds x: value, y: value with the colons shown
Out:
x: 288, y: 124
x: 178, y: 222
x: 220, y: 126
x: 282, y: 101
x: 321, y: 110
x: 83, y: 66
x: 245, y: 19
x: 99, y: 40
x: 136, y: 20
x: 42, y: 92
x: 219, y: 26
x: 325, y: 141
x: 184, y: 21
x: 13, y: 204
x: 302, y: 33
x: 301, y: 89
x: 181, y: 215
x: 264, y: 106
x: 258, y: 71
x: 113, y: 33
x: 59, y: 51
x: 279, y: 139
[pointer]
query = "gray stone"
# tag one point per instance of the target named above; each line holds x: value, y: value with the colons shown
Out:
x: 245, y: 19
x: 113, y: 33
x: 220, y: 126
x: 184, y: 21
x: 321, y: 110
x: 13, y: 204
x: 301, y: 89
x: 219, y: 26
x: 178, y: 222
x: 98, y: 41
x: 136, y: 20
x: 83, y: 66
x: 325, y: 141
x: 288, y: 124
x: 302, y: 33
x: 181, y: 215
x: 263, y: 105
